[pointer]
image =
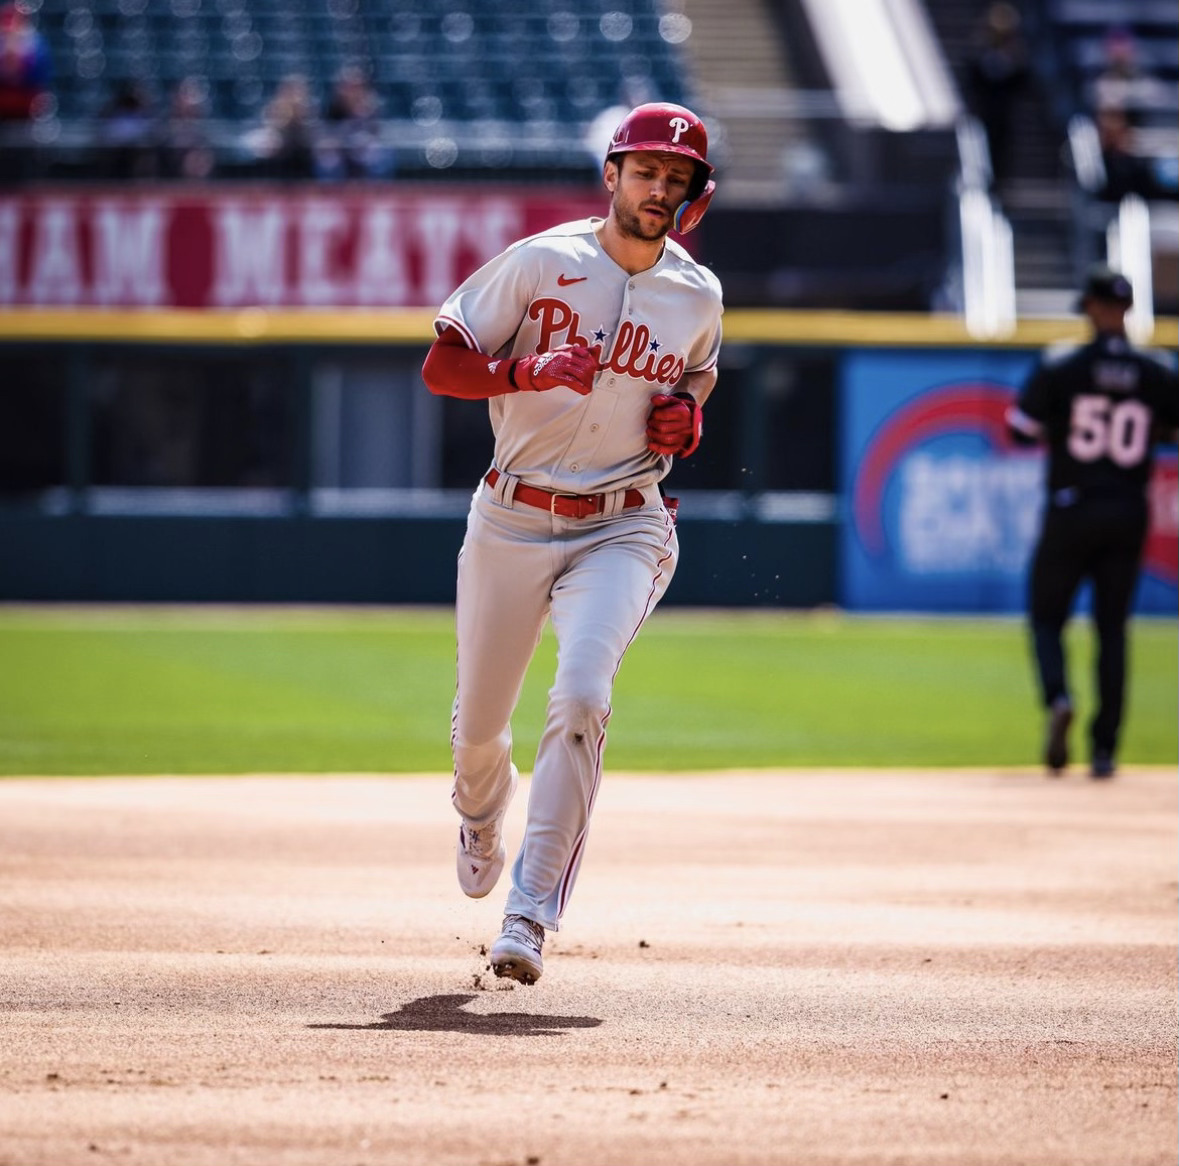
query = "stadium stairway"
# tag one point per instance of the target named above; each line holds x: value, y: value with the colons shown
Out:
x: 1038, y: 196
x: 744, y: 82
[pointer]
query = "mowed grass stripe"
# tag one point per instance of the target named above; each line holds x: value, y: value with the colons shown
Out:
x: 247, y: 690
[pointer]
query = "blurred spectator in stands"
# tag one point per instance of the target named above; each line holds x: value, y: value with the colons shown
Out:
x: 25, y: 75
x: 350, y: 146
x: 997, y: 72
x: 287, y: 140
x: 25, y: 69
x: 1125, y: 171
x: 1122, y: 82
x: 186, y: 152
x: 128, y: 136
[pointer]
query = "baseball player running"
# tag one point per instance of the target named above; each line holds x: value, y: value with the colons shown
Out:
x: 595, y: 344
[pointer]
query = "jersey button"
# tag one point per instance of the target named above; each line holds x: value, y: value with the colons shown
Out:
x: 575, y: 467
x: 594, y: 428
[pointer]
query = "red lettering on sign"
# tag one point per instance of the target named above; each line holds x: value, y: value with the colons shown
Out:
x: 1161, y: 557
x: 254, y: 245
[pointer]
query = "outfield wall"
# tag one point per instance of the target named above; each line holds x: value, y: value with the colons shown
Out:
x: 293, y: 456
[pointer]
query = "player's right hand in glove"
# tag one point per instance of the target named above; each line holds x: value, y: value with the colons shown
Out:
x: 569, y: 366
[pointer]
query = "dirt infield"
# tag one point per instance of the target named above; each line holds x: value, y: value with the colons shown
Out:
x: 950, y: 969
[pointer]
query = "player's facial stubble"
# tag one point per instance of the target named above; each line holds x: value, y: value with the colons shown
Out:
x: 633, y: 227
x: 646, y: 195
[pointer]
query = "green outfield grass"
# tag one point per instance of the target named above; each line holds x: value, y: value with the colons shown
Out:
x: 216, y: 690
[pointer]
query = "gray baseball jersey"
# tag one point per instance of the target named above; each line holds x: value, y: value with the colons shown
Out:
x: 560, y: 287
x: 596, y: 578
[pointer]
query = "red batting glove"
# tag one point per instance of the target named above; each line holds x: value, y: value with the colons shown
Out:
x: 674, y: 425
x: 570, y: 366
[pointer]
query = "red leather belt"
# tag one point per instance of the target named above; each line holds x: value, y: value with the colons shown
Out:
x: 566, y: 505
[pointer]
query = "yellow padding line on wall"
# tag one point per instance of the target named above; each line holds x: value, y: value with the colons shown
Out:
x: 414, y: 326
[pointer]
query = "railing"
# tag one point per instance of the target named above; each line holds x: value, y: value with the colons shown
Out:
x: 988, y: 257
x: 1128, y: 247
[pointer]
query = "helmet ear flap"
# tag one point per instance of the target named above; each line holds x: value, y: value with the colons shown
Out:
x: 689, y: 213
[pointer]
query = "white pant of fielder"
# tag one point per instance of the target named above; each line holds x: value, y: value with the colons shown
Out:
x: 598, y: 579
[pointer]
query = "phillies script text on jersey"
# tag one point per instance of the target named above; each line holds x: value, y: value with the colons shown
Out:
x: 635, y: 352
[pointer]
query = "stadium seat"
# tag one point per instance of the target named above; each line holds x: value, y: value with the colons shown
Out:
x: 429, y: 60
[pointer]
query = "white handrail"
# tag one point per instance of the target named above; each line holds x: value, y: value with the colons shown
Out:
x: 974, y: 155
x: 988, y: 266
x: 1128, y: 249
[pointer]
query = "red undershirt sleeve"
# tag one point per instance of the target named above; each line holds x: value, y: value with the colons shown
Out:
x: 451, y: 369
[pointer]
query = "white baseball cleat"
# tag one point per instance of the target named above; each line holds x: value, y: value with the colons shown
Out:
x: 516, y: 953
x: 481, y: 854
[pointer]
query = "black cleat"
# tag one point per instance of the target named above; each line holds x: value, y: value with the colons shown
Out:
x: 1103, y: 764
x: 1060, y: 716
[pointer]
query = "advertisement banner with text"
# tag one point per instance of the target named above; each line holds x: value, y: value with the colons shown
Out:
x: 942, y: 508
x: 231, y: 247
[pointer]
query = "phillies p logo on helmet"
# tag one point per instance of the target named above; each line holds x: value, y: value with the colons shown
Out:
x: 679, y: 126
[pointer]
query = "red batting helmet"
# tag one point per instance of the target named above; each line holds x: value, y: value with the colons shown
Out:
x: 670, y: 129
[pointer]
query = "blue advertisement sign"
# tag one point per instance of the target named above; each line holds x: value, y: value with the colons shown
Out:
x: 942, y: 509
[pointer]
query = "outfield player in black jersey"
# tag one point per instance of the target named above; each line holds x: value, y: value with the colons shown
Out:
x: 1101, y: 409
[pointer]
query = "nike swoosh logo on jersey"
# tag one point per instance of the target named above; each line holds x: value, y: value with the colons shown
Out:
x: 565, y: 280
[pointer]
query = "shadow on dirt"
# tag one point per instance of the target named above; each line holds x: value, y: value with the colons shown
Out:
x: 445, y: 1014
